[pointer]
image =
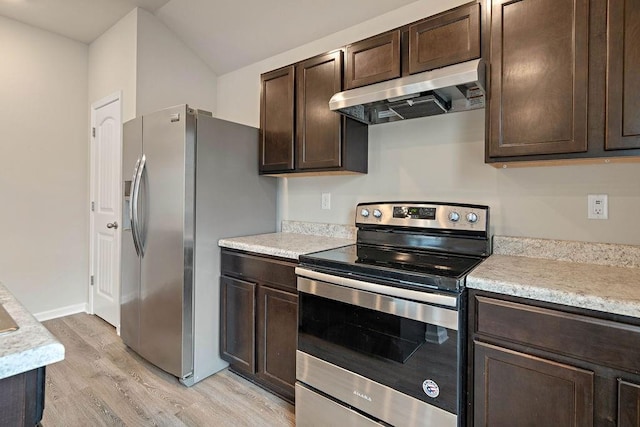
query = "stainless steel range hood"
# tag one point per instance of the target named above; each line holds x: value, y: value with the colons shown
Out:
x: 458, y: 87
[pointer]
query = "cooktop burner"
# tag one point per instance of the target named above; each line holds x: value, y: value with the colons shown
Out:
x: 415, y: 245
x: 404, y: 268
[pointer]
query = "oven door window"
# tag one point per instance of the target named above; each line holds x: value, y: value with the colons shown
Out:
x: 398, y: 352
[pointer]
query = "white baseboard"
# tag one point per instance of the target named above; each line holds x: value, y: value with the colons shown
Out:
x: 62, y: 311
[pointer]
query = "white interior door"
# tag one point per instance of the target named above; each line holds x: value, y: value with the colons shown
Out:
x: 106, y: 154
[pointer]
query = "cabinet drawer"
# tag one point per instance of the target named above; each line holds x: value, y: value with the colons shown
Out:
x: 278, y: 273
x: 605, y: 342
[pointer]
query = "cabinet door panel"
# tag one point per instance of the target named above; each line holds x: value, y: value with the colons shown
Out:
x: 238, y: 334
x: 628, y: 404
x: 277, y: 337
x: 318, y: 140
x: 623, y: 75
x: 373, y: 60
x: 445, y: 39
x: 538, y: 77
x: 514, y: 388
x: 277, y: 120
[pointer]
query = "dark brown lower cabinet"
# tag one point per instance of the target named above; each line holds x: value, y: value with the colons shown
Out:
x: 628, y: 404
x: 238, y: 323
x: 277, y: 323
x: 514, y: 386
x: 534, y: 363
x: 259, y: 318
x: 22, y: 399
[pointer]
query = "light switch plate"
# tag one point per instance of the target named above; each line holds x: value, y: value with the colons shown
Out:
x: 326, y: 200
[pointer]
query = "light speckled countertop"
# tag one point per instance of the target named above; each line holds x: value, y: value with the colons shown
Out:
x: 595, y: 276
x: 29, y: 347
x: 285, y: 245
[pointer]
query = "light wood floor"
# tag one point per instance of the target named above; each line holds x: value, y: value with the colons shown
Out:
x: 103, y: 383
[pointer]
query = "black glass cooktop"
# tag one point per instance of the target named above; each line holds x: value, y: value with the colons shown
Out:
x: 399, y: 267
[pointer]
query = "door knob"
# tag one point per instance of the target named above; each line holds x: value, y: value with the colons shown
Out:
x: 113, y: 224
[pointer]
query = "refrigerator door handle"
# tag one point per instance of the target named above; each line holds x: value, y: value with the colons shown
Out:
x: 132, y: 208
x: 141, y: 228
x: 135, y: 207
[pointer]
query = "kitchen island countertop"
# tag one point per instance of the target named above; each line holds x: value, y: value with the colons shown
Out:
x: 31, y: 346
x: 599, y: 280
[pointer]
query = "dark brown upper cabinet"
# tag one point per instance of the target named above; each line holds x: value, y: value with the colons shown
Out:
x: 539, y: 56
x: 561, y: 78
x: 373, y: 60
x: 445, y: 39
x: 277, y: 133
x: 300, y: 134
x: 318, y: 128
x: 623, y: 75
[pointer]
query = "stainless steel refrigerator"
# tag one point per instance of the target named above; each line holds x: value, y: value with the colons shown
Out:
x: 188, y: 180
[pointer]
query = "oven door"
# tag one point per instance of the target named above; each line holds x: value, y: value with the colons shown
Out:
x: 372, y: 348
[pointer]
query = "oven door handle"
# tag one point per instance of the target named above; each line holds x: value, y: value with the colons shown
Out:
x: 426, y: 313
x: 427, y: 297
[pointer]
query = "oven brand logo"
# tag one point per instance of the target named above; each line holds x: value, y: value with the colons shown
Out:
x: 362, y: 395
x: 431, y: 388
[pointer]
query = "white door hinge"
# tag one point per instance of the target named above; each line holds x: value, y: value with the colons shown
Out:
x: 93, y: 206
x: 93, y: 132
x: 92, y: 280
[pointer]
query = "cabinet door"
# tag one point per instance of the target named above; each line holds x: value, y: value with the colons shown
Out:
x: 628, y: 404
x: 373, y: 60
x: 277, y: 339
x: 445, y: 39
x: 512, y: 388
x: 238, y: 334
x: 318, y: 135
x: 538, y: 77
x: 623, y: 75
x: 22, y: 398
x: 277, y: 135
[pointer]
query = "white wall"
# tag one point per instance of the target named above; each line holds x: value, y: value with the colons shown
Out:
x: 168, y: 72
x: 44, y: 239
x: 112, y: 64
x: 442, y: 158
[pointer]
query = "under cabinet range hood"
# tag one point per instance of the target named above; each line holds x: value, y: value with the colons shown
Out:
x: 458, y: 87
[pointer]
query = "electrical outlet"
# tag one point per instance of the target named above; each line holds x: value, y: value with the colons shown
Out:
x: 598, y: 206
x: 326, y: 200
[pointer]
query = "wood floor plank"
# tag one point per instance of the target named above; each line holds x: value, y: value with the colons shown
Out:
x: 80, y: 408
x: 102, y: 382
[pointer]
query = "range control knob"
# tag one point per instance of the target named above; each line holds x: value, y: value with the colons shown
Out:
x: 472, y: 217
x: 364, y: 212
x: 377, y: 213
x: 454, y: 216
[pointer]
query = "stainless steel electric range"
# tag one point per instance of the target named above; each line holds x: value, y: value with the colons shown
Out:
x: 381, y: 331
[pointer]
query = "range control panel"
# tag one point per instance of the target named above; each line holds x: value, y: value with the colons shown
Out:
x: 451, y: 216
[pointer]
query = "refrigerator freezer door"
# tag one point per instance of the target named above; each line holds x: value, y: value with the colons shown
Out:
x: 130, y: 274
x: 167, y: 224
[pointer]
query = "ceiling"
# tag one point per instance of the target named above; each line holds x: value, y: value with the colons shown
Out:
x: 227, y: 35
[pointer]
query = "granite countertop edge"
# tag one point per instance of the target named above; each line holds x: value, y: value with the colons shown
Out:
x: 561, y: 282
x: 31, y: 346
x: 284, y: 245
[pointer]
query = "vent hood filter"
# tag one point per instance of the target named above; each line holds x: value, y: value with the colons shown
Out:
x: 458, y: 87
